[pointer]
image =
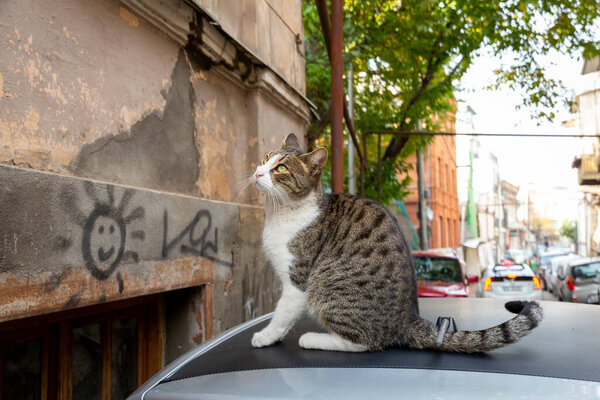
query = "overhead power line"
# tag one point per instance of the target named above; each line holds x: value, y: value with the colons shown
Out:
x: 534, y: 135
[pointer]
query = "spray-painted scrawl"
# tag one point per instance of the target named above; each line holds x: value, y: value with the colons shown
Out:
x: 113, y: 230
x: 105, y: 233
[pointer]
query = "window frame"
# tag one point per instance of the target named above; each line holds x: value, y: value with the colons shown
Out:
x: 56, y: 332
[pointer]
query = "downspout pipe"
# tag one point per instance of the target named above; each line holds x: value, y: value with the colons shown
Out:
x: 337, y: 97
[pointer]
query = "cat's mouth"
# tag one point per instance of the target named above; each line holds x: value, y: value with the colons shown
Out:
x: 260, y: 183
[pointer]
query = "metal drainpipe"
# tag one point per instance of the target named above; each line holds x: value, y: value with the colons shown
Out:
x: 337, y: 99
x: 351, y: 167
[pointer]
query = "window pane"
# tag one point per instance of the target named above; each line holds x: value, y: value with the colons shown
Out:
x: 124, y: 355
x: 87, y: 363
x: 22, y: 370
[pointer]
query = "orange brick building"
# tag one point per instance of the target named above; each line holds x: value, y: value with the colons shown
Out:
x: 440, y: 183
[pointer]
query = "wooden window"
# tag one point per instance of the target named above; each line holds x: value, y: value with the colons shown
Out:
x: 100, y: 352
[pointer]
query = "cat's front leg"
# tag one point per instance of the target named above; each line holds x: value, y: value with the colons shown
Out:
x: 289, y: 308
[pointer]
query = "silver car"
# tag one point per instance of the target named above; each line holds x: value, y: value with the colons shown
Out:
x: 577, y: 281
x: 552, y: 270
x: 544, y: 264
x: 228, y: 367
x: 509, y: 281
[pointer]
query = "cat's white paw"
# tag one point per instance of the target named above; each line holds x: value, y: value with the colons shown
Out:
x: 264, y: 338
x: 329, y: 341
x: 310, y: 340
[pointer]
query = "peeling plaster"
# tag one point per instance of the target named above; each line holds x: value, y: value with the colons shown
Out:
x: 157, y: 151
x: 80, y: 91
x: 128, y: 17
x: 32, y: 120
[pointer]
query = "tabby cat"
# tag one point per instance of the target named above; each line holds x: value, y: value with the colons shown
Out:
x: 344, y: 259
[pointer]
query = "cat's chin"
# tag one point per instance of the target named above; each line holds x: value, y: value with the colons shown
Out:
x: 261, y: 187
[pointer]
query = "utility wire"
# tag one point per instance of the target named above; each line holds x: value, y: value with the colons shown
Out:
x: 541, y: 135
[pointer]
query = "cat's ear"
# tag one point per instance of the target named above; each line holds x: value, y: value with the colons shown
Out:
x: 291, y: 141
x: 316, y: 158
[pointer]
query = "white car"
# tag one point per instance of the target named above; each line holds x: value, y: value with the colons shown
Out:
x: 509, y: 281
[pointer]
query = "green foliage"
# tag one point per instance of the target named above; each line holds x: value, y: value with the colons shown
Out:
x: 408, y: 57
x: 569, y: 230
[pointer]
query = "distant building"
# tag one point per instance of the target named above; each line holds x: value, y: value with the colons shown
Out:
x: 513, y: 228
x: 440, y: 181
x: 486, y: 192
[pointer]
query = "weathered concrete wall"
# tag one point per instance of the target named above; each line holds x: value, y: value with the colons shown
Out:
x: 92, y: 90
x: 74, y: 72
x: 68, y: 242
x: 125, y: 128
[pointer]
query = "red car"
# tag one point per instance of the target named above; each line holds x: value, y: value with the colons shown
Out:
x: 441, y: 274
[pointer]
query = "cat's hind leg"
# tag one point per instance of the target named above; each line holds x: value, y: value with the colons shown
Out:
x: 329, y: 341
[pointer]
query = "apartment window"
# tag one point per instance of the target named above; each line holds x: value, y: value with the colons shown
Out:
x: 453, y: 183
x: 102, y: 352
x: 448, y: 227
x: 445, y: 178
x: 439, y: 172
x: 439, y: 232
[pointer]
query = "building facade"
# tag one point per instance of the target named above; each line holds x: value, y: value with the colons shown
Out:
x: 440, y: 181
x: 587, y: 106
x: 125, y: 128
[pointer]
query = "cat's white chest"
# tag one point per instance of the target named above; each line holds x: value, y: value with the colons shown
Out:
x: 279, y: 230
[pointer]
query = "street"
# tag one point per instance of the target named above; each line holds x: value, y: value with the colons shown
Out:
x: 546, y: 295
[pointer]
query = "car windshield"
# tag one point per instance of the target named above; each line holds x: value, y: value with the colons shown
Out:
x: 587, y: 270
x: 437, y: 269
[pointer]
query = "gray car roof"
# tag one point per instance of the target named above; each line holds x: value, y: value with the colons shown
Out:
x: 584, y: 261
x: 564, y: 346
x: 570, y: 331
x: 371, y: 383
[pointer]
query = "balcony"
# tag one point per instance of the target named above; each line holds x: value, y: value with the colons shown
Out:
x: 587, y: 169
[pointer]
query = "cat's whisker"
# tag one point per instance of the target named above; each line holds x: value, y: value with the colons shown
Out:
x: 240, y: 187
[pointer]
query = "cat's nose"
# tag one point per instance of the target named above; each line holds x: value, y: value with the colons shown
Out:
x: 258, y: 174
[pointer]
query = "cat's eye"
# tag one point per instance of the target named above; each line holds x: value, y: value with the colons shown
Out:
x: 264, y: 161
x: 281, y: 168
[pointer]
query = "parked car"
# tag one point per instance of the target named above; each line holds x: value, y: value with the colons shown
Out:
x: 509, y: 281
x: 552, y: 270
x: 577, y: 281
x: 228, y: 367
x: 515, y: 255
x: 441, y: 274
x: 544, y: 261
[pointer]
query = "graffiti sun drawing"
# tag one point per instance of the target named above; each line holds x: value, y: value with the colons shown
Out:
x: 105, y: 229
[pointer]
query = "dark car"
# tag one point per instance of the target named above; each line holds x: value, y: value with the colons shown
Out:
x: 228, y: 367
x: 441, y: 274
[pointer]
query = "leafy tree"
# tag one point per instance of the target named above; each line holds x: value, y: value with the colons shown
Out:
x: 408, y: 57
x: 569, y: 230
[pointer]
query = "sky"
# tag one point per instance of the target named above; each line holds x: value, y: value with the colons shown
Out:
x: 525, y: 160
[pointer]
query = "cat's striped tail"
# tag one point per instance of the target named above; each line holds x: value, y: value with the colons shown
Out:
x: 423, y: 333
